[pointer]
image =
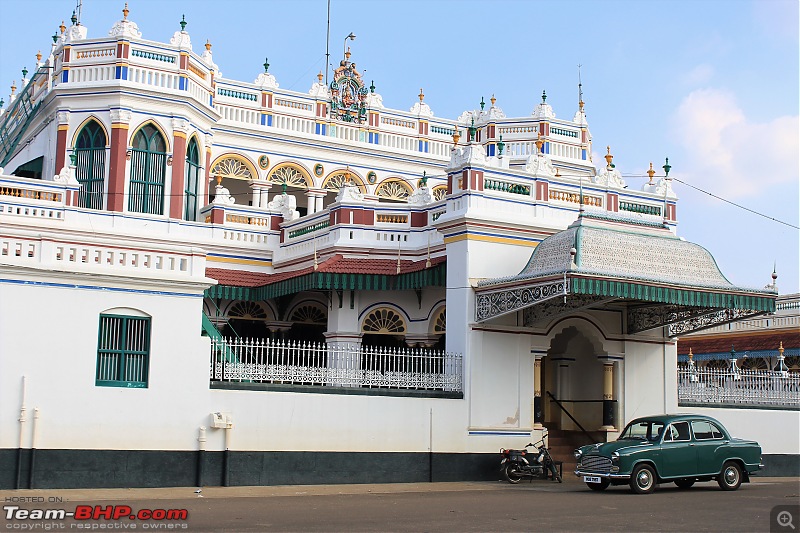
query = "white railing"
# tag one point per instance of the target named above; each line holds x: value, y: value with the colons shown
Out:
x: 335, y: 365
x: 743, y: 387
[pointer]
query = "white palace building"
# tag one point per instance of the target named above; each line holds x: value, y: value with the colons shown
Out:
x: 206, y: 281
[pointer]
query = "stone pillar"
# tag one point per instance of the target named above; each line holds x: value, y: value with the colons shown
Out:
x: 178, y: 185
x: 537, y: 404
x: 118, y: 164
x: 260, y: 193
x: 311, y: 204
x: 608, y: 396
x: 319, y: 201
x: 61, y: 139
x: 344, y: 358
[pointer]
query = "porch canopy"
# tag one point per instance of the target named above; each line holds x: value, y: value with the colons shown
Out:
x: 660, y: 279
x: 336, y: 273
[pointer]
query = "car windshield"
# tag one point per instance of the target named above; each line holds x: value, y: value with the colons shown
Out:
x: 646, y: 430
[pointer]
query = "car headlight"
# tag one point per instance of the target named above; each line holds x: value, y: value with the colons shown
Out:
x: 577, y: 454
x: 615, y: 457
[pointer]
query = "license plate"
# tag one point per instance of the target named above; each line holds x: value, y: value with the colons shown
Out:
x: 591, y: 479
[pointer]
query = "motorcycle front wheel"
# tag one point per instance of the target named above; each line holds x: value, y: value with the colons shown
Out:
x: 512, y: 473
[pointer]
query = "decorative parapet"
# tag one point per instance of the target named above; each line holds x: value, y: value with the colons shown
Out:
x: 311, y: 228
x: 506, y: 186
x: 574, y: 197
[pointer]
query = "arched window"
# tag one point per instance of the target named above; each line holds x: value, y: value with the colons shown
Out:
x: 90, y: 165
x: 148, y: 169
x: 193, y: 170
x: 394, y: 189
x: 384, y: 321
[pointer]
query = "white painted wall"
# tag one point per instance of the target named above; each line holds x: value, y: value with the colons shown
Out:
x: 778, y: 432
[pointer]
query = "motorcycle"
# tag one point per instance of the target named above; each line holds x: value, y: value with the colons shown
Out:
x: 518, y: 464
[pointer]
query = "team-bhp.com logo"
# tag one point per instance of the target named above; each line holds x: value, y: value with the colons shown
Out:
x: 147, y: 518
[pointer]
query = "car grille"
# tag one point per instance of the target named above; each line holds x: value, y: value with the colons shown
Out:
x: 596, y: 463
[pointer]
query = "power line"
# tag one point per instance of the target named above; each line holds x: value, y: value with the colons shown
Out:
x: 721, y: 198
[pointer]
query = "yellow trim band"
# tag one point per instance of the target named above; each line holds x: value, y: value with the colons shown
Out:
x: 486, y: 238
x: 237, y: 261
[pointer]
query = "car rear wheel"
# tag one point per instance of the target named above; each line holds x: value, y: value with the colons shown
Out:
x: 643, y: 479
x: 684, y: 483
x: 603, y: 485
x: 731, y: 476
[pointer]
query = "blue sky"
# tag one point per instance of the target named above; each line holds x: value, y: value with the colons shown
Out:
x: 711, y: 84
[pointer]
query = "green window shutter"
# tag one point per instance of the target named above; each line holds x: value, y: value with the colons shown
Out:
x: 123, y: 351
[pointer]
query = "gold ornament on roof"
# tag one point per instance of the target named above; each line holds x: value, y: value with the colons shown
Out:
x: 347, y: 54
x: 13, y: 87
x: 320, y: 76
x: 493, y: 100
x: 421, y: 95
x: 608, y: 156
x: 456, y: 136
x: 208, y: 45
x: 62, y: 27
x: 651, y: 173
x: 39, y: 56
x: 539, y: 143
x: 125, y: 12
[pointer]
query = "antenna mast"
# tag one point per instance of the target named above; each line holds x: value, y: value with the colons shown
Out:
x: 327, y: 45
x: 78, y: 10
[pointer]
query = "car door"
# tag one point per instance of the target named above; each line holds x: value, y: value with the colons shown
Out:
x: 708, y: 439
x: 678, y: 454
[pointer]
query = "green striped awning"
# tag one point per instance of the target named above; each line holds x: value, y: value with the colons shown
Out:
x: 670, y: 295
x: 430, y: 277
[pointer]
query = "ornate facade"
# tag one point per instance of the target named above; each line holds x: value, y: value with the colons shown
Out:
x: 239, y: 268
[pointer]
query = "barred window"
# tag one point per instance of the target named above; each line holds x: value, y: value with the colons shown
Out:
x: 123, y: 351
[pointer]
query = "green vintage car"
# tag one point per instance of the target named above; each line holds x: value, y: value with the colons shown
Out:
x: 669, y: 448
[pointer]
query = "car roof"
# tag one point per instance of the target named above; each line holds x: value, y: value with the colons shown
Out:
x: 669, y: 418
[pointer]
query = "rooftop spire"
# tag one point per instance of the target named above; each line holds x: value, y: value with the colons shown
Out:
x: 580, y: 89
x: 183, y: 23
x: 125, y: 12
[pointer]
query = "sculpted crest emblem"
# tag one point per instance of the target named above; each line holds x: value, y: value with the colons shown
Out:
x: 348, y: 93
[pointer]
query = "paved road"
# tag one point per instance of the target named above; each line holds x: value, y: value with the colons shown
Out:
x: 439, y: 507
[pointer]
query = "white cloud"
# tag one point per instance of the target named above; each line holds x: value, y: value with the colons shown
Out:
x: 699, y: 75
x: 728, y: 152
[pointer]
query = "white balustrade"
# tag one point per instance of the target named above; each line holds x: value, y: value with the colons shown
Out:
x: 744, y: 387
x: 340, y: 364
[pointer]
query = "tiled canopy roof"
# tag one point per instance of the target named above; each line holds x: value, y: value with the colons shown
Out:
x: 337, y: 272
x: 750, y: 342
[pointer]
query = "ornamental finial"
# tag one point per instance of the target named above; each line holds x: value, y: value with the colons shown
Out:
x: 74, y: 18
x: 691, y: 355
x: 372, y: 86
x: 208, y: 45
x: 13, y: 87
x: 421, y: 95
x: 320, y: 76
x: 608, y: 157
x: 62, y: 28
x: 39, y: 56
x: 483, y: 104
x: 24, y: 73
x: 2, y: 103
x: 266, y: 65
x: 55, y: 37
x: 539, y: 143
x: 183, y: 23
x: 125, y: 12
x: 651, y: 172
x: 780, y: 349
x: 456, y: 136
x: 493, y: 100
x: 667, y: 167
x: 347, y: 54
x: 544, y: 97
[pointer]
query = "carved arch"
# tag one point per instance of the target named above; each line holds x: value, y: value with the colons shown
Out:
x: 439, y: 192
x: 234, y: 166
x: 395, y: 189
x: 292, y: 174
x: 334, y: 180
x: 384, y: 321
x: 87, y: 120
x: 157, y: 126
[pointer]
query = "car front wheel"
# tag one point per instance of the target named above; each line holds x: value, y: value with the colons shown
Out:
x: 731, y: 476
x: 643, y: 479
